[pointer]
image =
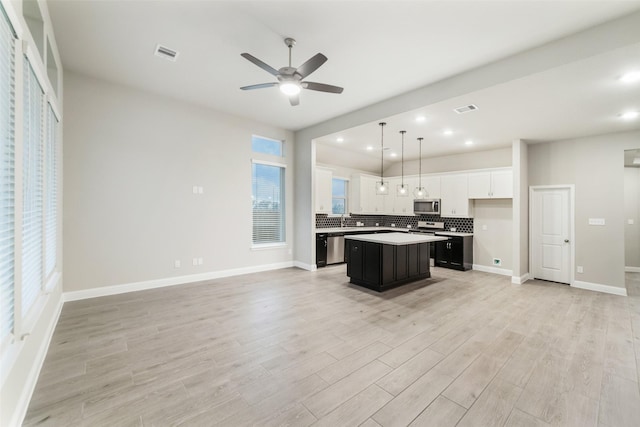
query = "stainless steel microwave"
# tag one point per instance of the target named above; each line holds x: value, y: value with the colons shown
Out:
x: 426, y: 206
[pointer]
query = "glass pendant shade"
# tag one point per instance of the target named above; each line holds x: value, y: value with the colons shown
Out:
x: 420, y: 192
x: 402, y: 190
x: 382, y: 188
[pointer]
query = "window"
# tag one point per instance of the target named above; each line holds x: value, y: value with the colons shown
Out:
x: 32, y: 191
x: 266, y: 146
x: 268, y: 203
x: 339, y: 196
x: 7, y: 176
x: 51, y: 196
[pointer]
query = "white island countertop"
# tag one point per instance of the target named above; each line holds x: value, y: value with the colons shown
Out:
x: 396, y: 239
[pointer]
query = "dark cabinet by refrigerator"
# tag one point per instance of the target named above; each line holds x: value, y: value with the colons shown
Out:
x: 321, y: 249
x: 455, y: 253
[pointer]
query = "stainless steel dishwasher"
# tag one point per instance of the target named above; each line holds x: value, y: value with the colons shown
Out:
x: 335, y: 248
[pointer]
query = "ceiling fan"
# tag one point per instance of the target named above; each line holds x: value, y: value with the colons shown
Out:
x: 290, y: 78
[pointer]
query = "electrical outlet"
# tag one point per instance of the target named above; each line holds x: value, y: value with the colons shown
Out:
x: 597, y: 221
x: 497, y: 261
x: 176, y: 263
x: 579, y: 269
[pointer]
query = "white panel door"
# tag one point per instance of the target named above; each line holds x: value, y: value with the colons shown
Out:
x: 550, y: 234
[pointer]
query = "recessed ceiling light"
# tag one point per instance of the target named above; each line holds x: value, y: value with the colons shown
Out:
x: 421, y: 119
x: 468, y: 142
x: 340, y: 139
x: 632, y: 77
x: 369, y: 148
x: 630, y: 115
x: 394, y: 154
x: 447, y: 132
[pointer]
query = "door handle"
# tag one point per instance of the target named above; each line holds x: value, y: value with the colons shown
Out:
x: 566, y: 240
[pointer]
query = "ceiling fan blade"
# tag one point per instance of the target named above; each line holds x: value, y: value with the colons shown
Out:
x: 321, y: 87
x: 267, y: 68
x: 311, y: 65
x: 294, y: 100
x: 259, y: 86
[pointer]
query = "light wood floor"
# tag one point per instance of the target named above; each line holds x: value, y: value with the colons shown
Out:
x: 291, y: 347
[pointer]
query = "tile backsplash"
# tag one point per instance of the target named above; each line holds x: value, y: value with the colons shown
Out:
x: 464, y: 225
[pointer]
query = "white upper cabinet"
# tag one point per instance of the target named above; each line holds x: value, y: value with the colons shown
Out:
x: 496, y: 184
x: 363, y: 199
x: 323, y: 190
x: 454, y: 195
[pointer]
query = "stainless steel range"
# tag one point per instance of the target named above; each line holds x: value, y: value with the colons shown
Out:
x: 429, y: 227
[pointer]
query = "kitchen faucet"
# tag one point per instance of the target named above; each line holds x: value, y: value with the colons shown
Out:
x: 342, y: 221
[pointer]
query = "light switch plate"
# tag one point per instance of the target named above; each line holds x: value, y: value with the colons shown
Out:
x: 484, y: 226
x: 596, y: 221
x: 579, y: 269
x: 176, y: 263
x: 630, y: 221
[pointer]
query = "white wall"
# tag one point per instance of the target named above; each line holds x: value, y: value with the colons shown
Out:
x: 455, y: 162
x: 131, y: 160
x: 595, y: 165
x: 632, y: 212
x: 495, y: 241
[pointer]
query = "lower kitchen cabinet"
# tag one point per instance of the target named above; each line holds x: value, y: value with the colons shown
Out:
x: 455, y: 253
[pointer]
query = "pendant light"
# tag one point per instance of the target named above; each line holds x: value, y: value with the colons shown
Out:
x: 420, y: 191
x: 382, y: 187
x: 402, y: 190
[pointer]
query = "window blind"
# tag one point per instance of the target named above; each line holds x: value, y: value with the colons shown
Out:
x: 7, y: 172
x: 32, y: 216
x: 51, y: 186
x: 268, y: 203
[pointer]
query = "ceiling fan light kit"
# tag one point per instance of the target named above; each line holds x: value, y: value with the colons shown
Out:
x: 290, y: 78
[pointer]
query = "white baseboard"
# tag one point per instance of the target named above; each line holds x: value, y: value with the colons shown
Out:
x: 170, y: 281
x: 32, y: 377
x: 494, y: 270
x: 305, y: 266
x: 632, y: 269
x: 607, y: 289
x: 520, y: 280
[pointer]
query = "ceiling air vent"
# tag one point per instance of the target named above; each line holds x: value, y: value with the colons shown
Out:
x: 465, y: 109
x: 166, y: 53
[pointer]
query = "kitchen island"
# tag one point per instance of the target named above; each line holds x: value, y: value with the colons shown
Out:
x: 384, y: 261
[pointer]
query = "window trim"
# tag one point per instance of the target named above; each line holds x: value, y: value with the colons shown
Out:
x: 271, y: 245
x: 346, y: 197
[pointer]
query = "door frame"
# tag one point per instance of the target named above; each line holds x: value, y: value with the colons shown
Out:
x: 572, y: 225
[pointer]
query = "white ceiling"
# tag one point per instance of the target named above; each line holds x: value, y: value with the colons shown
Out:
x: 582, y: 98
x: 376, y: 49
